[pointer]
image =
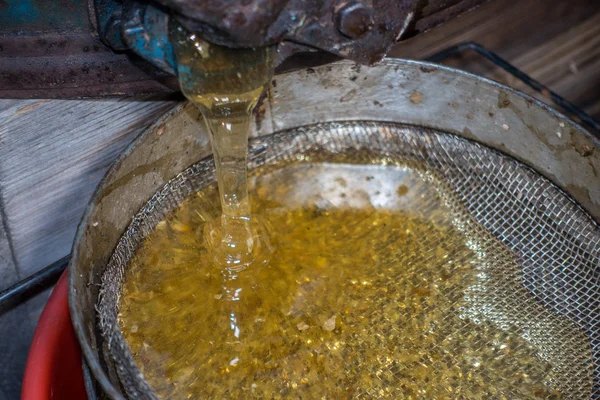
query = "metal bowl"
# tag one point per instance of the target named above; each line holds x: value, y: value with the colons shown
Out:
x: 397, y: 91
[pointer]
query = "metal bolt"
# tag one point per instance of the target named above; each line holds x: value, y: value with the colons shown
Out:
x: 111, y: 34
x: 354, y: 20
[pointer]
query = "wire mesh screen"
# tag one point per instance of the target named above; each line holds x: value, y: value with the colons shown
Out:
x: 542, y: 272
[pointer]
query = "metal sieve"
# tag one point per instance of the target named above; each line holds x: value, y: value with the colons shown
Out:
x: 496, y: 186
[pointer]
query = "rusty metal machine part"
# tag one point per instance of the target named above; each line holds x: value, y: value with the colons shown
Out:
x: 360, y: 30
x: 505, y: 290
x: 92, y: 48
x: 402, y: 92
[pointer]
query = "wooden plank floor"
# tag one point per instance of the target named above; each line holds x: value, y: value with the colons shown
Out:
x: 52, y: 154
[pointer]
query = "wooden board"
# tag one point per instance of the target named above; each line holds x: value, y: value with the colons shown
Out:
x: 52, y: 157
x: 8, y: 266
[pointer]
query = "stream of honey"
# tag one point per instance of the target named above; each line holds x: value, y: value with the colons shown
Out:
x: 310, y: 299
x: 226, y: 84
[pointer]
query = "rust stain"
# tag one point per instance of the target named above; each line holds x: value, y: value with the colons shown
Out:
x: 503, y: 100
x: 416, y: 97
x: 25, y: 109
x: 29, y: 107
x: 586, y: 150
x: 546, y: 93
x: 580, y: 144
x: 260, y: 112
x: 386, y: 132
x: 348, y: 96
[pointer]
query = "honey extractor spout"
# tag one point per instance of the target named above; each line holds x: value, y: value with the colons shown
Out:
x: 95, y: 48
x: 360, y: 30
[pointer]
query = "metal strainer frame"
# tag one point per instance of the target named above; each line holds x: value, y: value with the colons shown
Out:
x: 555, y: 242
x: 469, y: 106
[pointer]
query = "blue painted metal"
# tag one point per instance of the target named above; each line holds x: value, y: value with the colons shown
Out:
x: 25, y: 16
x: 146, y: 32
x: 105, y: 9
x: 108, y: 20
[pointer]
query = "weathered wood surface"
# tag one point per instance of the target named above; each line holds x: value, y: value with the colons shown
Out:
x: 8, y: 266
x: 53, y: 153
x: 52, y: 156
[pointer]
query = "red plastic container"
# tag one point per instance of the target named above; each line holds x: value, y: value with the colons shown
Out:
x: 54, y: 369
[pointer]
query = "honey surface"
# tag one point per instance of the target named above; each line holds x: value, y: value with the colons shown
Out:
x: 364, y: 293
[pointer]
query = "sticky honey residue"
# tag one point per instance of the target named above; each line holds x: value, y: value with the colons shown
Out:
x: 355, y: 302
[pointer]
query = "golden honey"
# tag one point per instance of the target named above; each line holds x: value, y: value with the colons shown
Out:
x: 357, y: 300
